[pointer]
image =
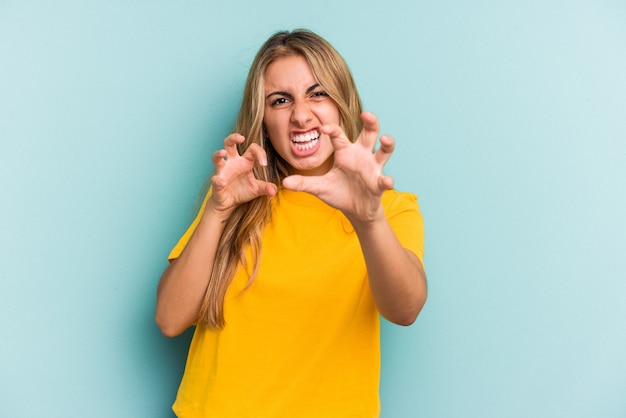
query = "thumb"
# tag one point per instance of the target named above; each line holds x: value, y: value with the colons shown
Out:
x: 299, y: 183
x: 266, y: 188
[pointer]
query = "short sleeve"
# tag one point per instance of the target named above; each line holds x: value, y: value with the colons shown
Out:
x: 182, y: 242
x: 402, y: 211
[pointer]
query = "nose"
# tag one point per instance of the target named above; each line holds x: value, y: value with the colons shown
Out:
x: 301, y: 113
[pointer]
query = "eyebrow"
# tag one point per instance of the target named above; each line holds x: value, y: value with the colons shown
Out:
x: 287, y: 94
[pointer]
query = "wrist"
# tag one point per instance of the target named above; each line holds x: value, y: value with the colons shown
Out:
x: 213, y: 211
x: 369, y: 222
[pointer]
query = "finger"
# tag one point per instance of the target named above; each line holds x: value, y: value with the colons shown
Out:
x: 371, y: 129
x: 302, y: 184
x: 387, y: 145
x: 256, y: 153
x: 337, y: 136
x: 218, y: 159
x: 385, y: 183
x: 230, y: 144
x: 267, y: 188
x: 218, y: 182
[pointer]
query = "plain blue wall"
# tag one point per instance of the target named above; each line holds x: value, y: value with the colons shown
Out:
x: 510, y: 119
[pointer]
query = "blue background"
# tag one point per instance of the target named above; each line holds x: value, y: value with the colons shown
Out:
x: 510, y: 121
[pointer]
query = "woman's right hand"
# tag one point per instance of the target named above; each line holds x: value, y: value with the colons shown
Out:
x: 184, y: 282
x: 234, y: 182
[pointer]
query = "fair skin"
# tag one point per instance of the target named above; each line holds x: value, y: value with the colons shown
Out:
x: 296, y: 107
x: 303, y: 125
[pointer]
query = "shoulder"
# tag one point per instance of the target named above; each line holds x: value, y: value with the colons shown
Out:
x: 394, y: 201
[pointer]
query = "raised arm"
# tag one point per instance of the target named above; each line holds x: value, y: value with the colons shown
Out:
x: 355, y: 185
x: 184, y: 282
x: 396, y: 275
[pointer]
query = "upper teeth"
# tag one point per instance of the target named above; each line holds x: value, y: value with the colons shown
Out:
x: 306, y: 136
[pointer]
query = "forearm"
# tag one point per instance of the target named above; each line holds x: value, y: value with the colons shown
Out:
x: 183, y: 284
x: 396, y: 276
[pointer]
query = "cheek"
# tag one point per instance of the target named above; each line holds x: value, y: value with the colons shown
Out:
x: 272, y: 124
x: 330, y: 114
x: 268, y: 126
x: 272, y: 133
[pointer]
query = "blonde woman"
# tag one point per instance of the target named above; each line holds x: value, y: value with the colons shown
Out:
x: 300, y: 245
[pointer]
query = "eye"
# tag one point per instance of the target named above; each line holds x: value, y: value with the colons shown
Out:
x: 320, y: 94
x: 280, y: 101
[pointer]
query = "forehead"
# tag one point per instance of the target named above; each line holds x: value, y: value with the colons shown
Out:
x: 289, y: 73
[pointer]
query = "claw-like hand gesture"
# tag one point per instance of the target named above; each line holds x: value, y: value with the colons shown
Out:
x: 234, y: 182
x: 355, y: 183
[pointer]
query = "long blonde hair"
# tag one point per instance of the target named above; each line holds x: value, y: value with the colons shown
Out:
x: 244, y: 228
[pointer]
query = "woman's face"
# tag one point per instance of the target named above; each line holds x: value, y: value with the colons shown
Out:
x: 296, y: 106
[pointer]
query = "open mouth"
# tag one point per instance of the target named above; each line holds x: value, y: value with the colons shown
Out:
x: 306, y: 140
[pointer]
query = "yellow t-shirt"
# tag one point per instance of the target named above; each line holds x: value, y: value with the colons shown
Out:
x: 304, y: 339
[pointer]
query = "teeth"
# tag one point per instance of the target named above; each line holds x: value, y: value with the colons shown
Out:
x: 306, y: 145
x: 309, y: 136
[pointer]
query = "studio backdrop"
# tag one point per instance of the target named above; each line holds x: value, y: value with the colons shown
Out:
x: 510, y: 122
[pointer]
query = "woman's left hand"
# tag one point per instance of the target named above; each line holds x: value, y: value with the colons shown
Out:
x: 355, y: 183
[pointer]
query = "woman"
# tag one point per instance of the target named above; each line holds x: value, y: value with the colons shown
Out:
x: 300, y: 244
